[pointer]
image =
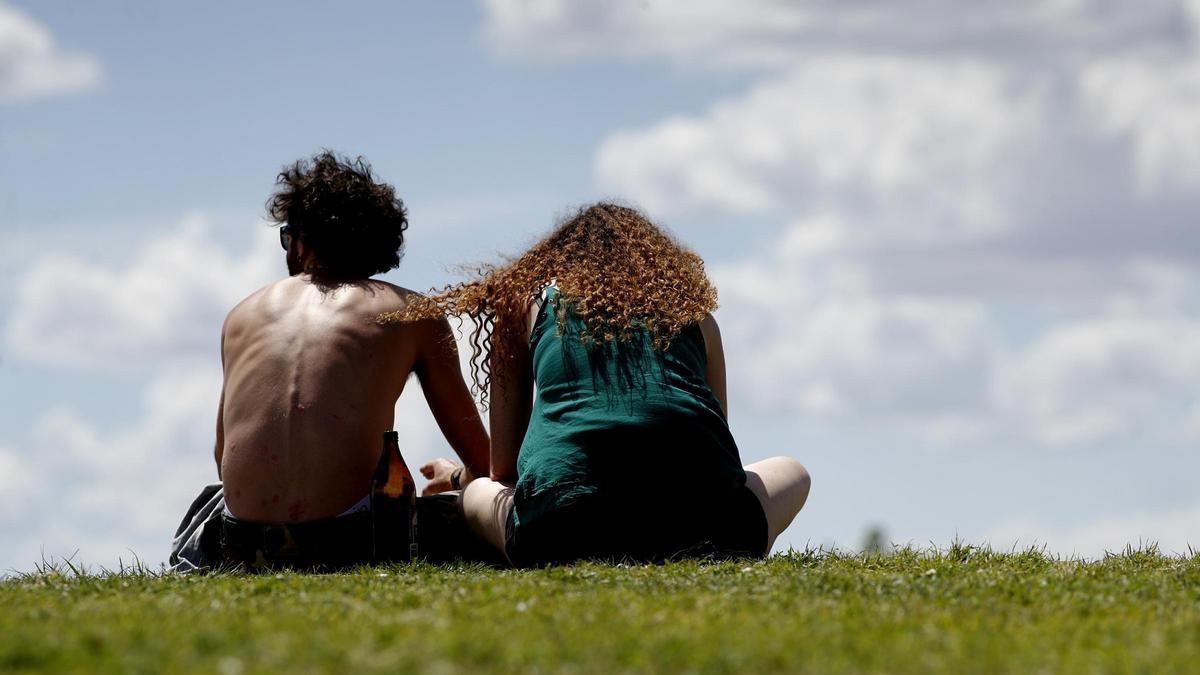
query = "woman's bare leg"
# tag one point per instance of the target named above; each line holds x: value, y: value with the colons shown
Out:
x: 781, y: 485
x: 486, y: 504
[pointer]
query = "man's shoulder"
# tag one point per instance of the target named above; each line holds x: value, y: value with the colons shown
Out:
x: 260, y: 305
x: 253, y: 299
x: 396, y: 290
x: 371, y: 295
x: 390, y: 297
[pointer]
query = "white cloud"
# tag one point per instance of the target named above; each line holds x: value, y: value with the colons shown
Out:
x: 811, y: 328
x: 905, y: 145
x: 1156, y: 103
x: 1192, y: 424
x: 1173, y: 530
x: 810, y: 333
x: 104, y: 497
x: 773, y: 33
x: 75, y: 487
x: 16, y: 486
x: 924, y: 158
x: 990, y: 209
x: 32, y: 66
x: 168, y: 303
x: 100, y: 496
x: 1091, y: 379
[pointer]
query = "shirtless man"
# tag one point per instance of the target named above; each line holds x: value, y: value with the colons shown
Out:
x: 312, y: 379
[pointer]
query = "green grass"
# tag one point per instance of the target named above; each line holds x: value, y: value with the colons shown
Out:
x: 954, y: 611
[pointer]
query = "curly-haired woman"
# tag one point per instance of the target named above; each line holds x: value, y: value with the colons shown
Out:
x: 598, y: 355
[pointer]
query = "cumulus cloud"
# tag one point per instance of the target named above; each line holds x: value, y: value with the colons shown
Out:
x: 1175, y: 531
x: 111, y: 493
x: 101, y: 498
x: 987, y: 211
x: 31, y: 64
x: 929, y: 156
x: 76, y: 486
x: 773, y: 33
x: 104, y: 497
x: 168, y: 303
x: 902, y: 144
x: 1090, y: 379
x: 16, y: 486
x: 815, y: 328
x: 1156, y: 104
x: 840, y: 348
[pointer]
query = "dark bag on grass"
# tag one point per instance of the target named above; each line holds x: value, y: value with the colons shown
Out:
x: 197, y: 542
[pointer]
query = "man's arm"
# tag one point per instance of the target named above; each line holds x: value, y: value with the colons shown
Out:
x: 449, y: 399
x: 219, y: 451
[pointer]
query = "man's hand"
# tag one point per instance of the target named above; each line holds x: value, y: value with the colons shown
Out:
x: 439, y: 473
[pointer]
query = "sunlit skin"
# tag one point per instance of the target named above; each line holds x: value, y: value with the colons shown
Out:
x: 311, y: 383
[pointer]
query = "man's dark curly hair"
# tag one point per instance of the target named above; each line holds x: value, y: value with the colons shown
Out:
x: 353, y: 225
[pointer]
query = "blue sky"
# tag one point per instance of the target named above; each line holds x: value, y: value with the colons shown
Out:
x: 956, y: 250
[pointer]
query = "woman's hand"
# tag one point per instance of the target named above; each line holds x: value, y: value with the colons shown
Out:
x: 440, y: 474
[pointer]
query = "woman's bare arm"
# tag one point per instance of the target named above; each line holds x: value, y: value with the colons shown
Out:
x: 714, y: 373
x: 511, y: 399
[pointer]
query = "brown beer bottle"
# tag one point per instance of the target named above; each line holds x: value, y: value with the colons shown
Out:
x: 393, y: 502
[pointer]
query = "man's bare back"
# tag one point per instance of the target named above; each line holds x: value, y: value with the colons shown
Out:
x: 311, y: 383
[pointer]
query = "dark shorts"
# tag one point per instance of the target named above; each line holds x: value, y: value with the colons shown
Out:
x: 329, y: 544
x: 641, y: 531
x: 349, y: 540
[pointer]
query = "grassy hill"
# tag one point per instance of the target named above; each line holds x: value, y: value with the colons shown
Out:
x: 954, y: 611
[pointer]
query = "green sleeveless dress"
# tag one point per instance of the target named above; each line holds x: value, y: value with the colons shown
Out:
x: 627, y: 452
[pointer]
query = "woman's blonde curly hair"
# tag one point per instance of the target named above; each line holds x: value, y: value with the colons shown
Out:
x: 613, y: 268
